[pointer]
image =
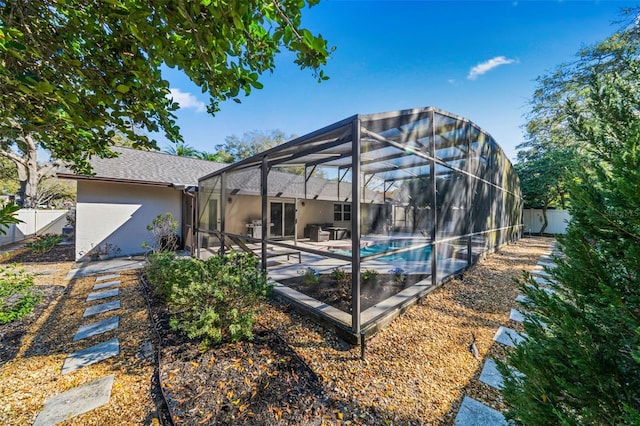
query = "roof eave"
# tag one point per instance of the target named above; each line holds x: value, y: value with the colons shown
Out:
x: 114, y: 180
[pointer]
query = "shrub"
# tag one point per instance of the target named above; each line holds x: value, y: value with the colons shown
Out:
x: 44, y: 243
x: 165, y: 270
x: 310, y: 276
x: 164, y: 229
x: 213, y: 300
x: 370, y: 275
x: 17, y: 298
x: 343, y: 282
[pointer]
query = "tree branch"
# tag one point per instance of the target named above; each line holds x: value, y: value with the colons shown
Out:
x: 13, y: 156
x: 47, y: 170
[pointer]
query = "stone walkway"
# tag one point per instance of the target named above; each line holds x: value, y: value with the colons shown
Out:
x: 475, y: 413
x: 101, y: 299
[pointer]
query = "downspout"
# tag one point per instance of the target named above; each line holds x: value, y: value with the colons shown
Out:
x: 194, y: 219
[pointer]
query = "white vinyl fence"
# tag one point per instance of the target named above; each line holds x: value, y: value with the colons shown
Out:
x: 533, y: 220
x: 34, y: 222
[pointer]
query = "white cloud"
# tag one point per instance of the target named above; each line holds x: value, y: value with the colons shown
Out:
x: 487, y: 66
x: 186, y: 100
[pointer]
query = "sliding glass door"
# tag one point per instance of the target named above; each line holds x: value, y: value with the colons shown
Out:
x: 283, y: 219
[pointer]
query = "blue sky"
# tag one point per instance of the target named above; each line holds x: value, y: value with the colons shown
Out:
x: 476, y: 59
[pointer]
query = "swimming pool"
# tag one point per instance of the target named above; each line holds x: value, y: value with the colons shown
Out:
x: 418, y: 254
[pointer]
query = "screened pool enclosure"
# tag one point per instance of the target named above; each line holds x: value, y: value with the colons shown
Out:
x: 358, y: 220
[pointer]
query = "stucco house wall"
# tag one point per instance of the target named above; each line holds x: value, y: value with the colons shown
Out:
x: 241, y: 210
x: 119, y: 214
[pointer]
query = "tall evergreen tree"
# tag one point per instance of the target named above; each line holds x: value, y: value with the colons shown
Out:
x: 581, y: 357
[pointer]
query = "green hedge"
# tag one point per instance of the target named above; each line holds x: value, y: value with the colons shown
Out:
x: 213, y: 300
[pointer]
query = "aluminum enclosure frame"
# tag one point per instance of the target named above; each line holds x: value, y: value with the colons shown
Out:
x: 441, y: 168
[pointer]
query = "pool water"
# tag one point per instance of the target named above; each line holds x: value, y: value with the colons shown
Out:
x: 416, y: 255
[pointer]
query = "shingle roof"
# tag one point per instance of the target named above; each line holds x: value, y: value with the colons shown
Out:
x: 247, y: 182
x: 146, y: 167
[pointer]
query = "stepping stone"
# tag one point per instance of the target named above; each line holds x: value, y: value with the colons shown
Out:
x: 547, y: 265
x: 97, y: 295
x: 107, y: 277
x: 545, y: 281
x: 76, y: 401
x: 516, y: 315
x: 508, y: 336
x: 96, y: 328
x: 475, y: 413
x: 541, y: 273
x: 106, y: 285
x: 549, y: 291
x: 521, y: 298
x: 146, y: 350
x: 91, y: 355
x: 490, y: 374
x: 103, y: 307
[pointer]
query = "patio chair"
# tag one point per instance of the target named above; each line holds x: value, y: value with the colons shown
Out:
x: 317, y: 234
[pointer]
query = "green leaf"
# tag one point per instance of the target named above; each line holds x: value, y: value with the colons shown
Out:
x: 44, y: 87
x: 15, y: 45
x: 122, y: 88
x: 256, y: 84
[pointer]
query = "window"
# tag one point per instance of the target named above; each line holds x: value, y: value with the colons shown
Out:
x: 341, y: 212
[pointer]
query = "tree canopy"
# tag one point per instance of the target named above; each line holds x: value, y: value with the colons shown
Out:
x: 74, y: 73
x: 182, y: 150
x: 544, y: 177
x: 251, y: 143
x: 76, y: 77
x: 551, y: 150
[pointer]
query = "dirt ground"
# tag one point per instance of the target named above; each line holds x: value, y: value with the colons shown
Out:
x: 416, y: 371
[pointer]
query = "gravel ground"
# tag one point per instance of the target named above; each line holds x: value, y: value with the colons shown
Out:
x: 416, y: 371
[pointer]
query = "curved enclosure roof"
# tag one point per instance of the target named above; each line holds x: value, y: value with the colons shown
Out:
x: 395, y: 146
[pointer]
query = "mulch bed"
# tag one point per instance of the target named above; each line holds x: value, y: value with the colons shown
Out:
x: 416, y: 371
x: 54, y: 263
x: 31, y: 370
x: 11, y: 334
x: 57, y: 255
